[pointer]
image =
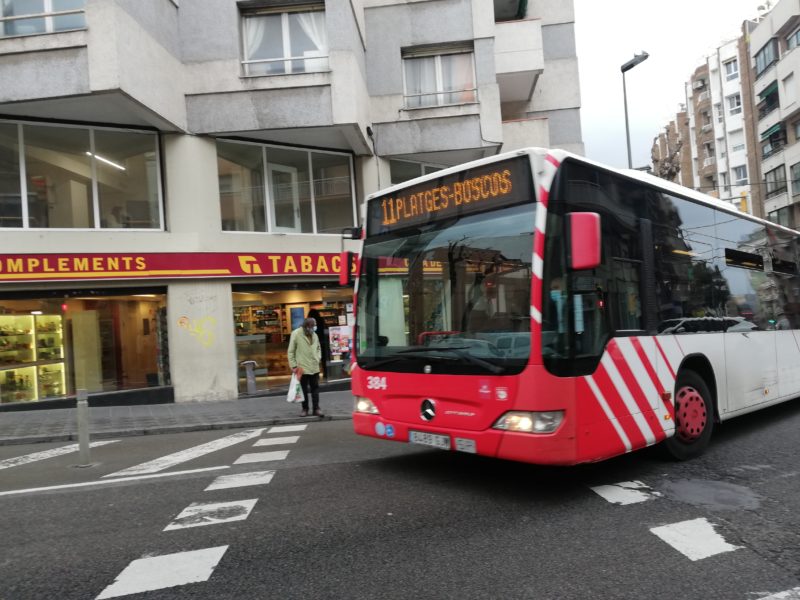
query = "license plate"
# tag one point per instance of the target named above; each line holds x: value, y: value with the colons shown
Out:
x: 429, y: 439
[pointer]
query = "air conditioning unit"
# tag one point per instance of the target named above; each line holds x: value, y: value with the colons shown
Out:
x: 699, y: 84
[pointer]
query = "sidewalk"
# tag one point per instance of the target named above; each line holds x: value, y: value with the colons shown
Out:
x: 57, y: 425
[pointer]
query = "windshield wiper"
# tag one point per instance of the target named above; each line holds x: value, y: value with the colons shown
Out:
x: 458, y: 351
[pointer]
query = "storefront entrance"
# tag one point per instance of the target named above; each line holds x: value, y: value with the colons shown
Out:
x: 99, y: 340
x: 264, y: 318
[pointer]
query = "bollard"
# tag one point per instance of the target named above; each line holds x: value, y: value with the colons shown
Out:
x: 250, y: 375
x: 83, y: 428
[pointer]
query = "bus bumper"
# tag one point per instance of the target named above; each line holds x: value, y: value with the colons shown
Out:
x: 558, y: 448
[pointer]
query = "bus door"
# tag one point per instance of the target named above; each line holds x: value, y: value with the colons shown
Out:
x: 749, y: 319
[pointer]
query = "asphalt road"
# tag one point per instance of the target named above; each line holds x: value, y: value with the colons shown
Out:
x: 348, y: 517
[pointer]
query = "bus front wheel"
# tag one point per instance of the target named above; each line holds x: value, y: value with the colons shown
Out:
x: 694, y: 417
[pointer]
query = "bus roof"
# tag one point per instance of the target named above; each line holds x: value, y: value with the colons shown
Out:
x: 561, y: 155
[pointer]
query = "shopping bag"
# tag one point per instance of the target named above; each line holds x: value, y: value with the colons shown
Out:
x: 295, y: 393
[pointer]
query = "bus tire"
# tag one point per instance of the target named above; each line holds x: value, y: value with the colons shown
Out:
x: 694, y: 417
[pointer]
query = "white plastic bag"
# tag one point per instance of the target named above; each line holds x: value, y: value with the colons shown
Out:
x: 295, y: 393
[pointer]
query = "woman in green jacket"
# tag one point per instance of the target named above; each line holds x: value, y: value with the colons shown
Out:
x: 304, y: 356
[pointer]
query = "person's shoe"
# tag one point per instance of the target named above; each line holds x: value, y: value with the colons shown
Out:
x: 304, y: 413
x: 318, y: 413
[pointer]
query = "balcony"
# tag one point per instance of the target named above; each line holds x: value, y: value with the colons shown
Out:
x: 110, y: 69
x: 519, y: 58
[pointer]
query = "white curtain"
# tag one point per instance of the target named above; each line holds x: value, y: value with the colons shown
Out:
x: 457, y: 75
x: 421, y: 79
x: 313, y: 25
x: 254, y: 30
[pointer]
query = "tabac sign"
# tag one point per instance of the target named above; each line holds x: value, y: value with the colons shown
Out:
x: 172, y: 265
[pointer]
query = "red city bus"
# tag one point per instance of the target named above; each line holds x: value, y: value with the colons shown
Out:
x: 539, y: 307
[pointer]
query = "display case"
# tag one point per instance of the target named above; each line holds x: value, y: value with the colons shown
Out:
x: 31, y: 357
x: 258, y: 319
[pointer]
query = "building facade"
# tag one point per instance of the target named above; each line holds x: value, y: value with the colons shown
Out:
x: 710, y: 142
x: 775, y: 57
x: 175, y: 176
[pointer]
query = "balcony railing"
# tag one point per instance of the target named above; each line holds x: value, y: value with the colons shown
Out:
x: 764, y: 110
x: 708, y: 161
x: 45, y: 22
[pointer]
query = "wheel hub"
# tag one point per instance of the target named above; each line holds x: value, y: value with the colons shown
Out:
x: 691, y: 414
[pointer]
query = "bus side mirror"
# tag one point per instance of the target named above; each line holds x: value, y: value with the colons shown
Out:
x: 584, y: 240
x: 346, y: 265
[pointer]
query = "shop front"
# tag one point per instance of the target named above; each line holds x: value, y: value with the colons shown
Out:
x: 182, y: 326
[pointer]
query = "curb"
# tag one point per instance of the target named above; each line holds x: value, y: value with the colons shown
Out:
x: 100, y: 435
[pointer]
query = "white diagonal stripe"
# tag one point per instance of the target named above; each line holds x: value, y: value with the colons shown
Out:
x: 223, y: 482
x: 44, y: 454
x: 625, y: 492
x: 287, y: 428
x: 159, y: 572
x: 664, y: 376
x: 536, y: 315
x: 671, y: 350
x: 634, y: 362
x: 291, y: 439
x: 200, y: 514
x: 537, y: 265
x: 696, y: 539
x: 627, y: 398
x: 792, y: 594
x: 541, y: 217
x: 170, y: 460
x: 609, y: 413
x: 261, y: 457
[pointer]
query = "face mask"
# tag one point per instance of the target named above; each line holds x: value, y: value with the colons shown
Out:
x: 555, y: 295
x: 314, y: 328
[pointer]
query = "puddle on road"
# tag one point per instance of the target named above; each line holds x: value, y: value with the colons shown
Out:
x: 719, y: 495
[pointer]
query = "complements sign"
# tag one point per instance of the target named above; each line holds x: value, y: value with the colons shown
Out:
x: 71, y: 267
x: 483, y: 188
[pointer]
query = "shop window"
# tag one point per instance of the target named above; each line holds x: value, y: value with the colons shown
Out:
x: 279, y: 43
x: 436, y: 79
x: 51, y: 347
x: 32, y: 17
x: 78, y: 178
x: 264, y: 320
x: 284, y: 190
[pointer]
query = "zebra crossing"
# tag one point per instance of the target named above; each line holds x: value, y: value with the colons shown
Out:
x: 195, y: 566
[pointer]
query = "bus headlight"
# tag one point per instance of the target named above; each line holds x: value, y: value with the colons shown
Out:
x: 530, y: 422
x: 365, y: 405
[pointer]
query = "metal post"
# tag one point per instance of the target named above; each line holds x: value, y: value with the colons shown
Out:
x: 83, y: 428
x: 627, y: 132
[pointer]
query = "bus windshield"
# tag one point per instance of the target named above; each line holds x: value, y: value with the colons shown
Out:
x: 451, y: 296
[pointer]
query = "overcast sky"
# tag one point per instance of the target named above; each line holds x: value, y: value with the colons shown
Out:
x: 676, y: 35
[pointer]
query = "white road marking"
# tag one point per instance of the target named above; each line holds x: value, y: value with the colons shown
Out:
x: 199, y: 514
x: 278, y: 440
x: 169, y: 570
x: 287, y: 428
x: 261, y: 457
x: 105, y: 481
x: 170, y: 460
x: 626, y: 492
x: 29, y: 458
x: 240, y: 480
x: 792, y: 594
x: 696, y: 539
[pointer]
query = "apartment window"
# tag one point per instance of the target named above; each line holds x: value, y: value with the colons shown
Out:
x: 731, y: 69
x: 773, y: 140
x: 766, y: 57
x: 439, y: 79
x: 740, y: 175
x: 718, y: 111
x: 794, y: 173
x: 32, y: 17
x: 789, y: 90
x: 78, y: 178
x: 737, y: 148
x: 284, y: 190
x: 280, y: 43
x: 768, y: 100
x: 782, y: 216
x: 734, y: 104
x: 775, y: 181
x: 793, y: 40
x: 403, y: 170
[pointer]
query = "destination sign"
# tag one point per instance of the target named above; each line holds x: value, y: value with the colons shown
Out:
x: 483, y: 188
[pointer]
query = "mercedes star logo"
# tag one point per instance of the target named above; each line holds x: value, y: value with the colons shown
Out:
x: 428, y: 410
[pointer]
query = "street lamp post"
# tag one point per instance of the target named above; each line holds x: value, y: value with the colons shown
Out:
x: 637, y: 58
